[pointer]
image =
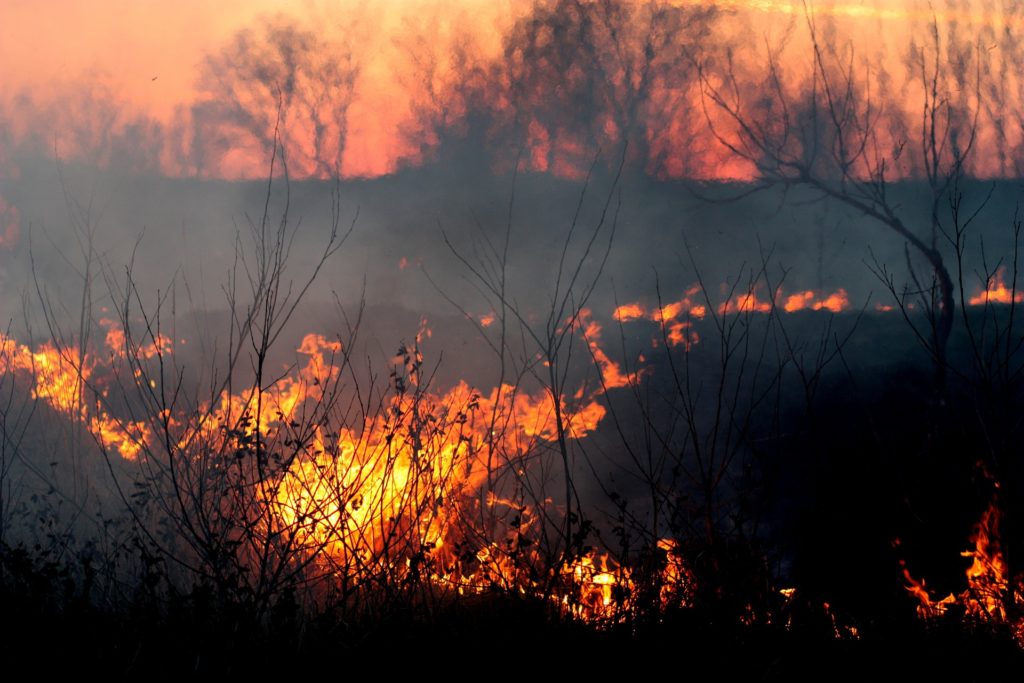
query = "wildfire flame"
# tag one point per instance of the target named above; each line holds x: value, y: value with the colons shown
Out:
x: 836, y: 302
x: 745, y: 302
x: 997, y: 292
x: 990, y: 591
x: 411, y: 471
x: 405, y: 489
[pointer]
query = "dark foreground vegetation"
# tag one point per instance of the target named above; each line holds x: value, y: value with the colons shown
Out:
x: 51, y: 625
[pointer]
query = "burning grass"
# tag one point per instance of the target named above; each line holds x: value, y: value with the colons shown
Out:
x: 425, y: 488
x: 304, y: 485
x: 992, y: 595
x: 299, y: 482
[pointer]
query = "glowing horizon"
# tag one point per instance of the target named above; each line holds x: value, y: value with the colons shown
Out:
x: 146, y: 57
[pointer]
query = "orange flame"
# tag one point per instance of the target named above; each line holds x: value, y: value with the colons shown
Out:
x: 412, y: 471
x: 687, y: 305
x: 627, y: 312
x: 682, y: 334
x: 836, y: 302
x: 612, y: 376
x: 989, y: 590
x: 116, y: 342
x: 996, y: 291
x: 58, y: 378
x: 745, y: 303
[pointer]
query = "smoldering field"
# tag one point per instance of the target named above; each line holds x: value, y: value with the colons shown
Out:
x: 616, y: 374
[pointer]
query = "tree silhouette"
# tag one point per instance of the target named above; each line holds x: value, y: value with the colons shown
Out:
x: 575, y: 77
x: 283, y: 83
x: 836, y: 136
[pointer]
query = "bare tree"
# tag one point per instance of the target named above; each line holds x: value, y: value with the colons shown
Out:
x: 575, y: 77
x: 843, y: 136
x: 836, y: 137
x: 286, y: 85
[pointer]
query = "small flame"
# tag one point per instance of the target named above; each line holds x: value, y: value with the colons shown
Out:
x: 682, y: 334
x: 745, y: 303
x: 836, y: 302
x: 627, y: 312
x: 116, y: 342
x: 685, y: 306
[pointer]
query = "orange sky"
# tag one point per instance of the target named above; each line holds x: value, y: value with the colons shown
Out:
x: 147, y: 51
x: 126, y: 41
x: 129, y: 42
